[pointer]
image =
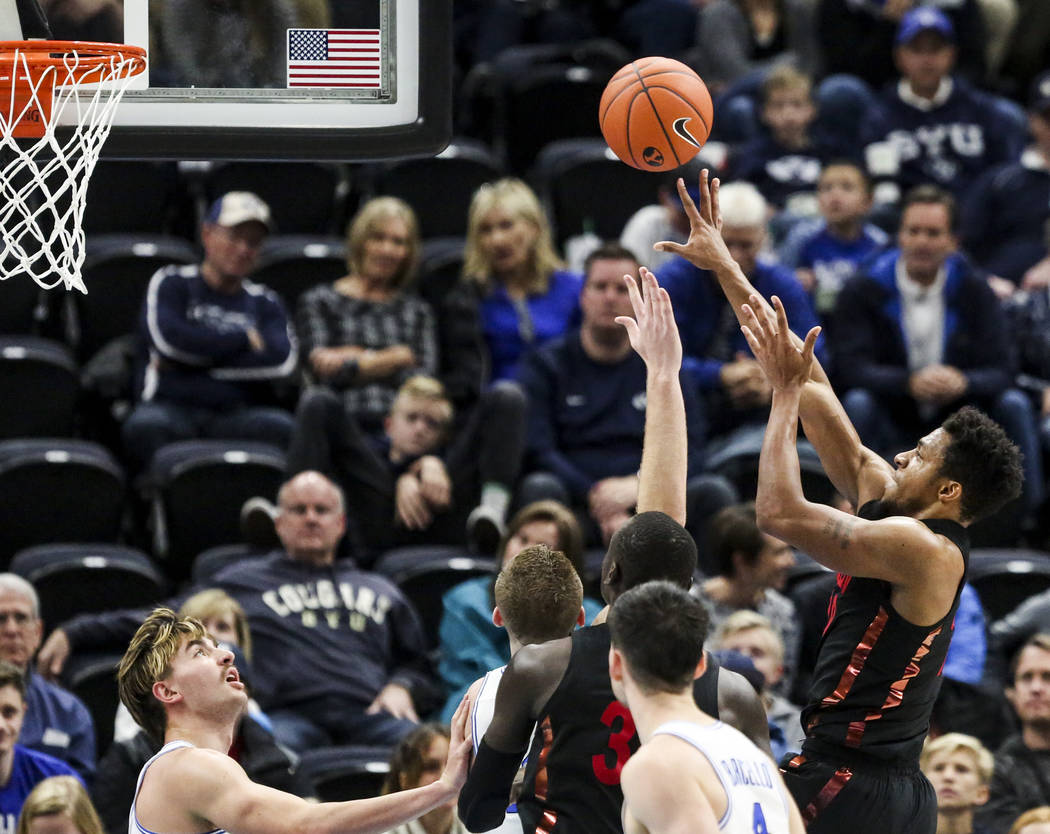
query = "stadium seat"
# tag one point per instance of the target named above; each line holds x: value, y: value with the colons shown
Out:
x: 1004, y: 578
x: 575, y: 178
x: 439, y: 188
x: 305, y: 198
x: 292, y: 264
x: 25, y: 306
x: 116, y: 271
x: 131, y: 197
x: 57, y: 490
x: 73, y: 579
x: 424, y: 574
x: 214, y: 559
x: 196, y: 489
x: 92, y: 677
x: 346, y: 772
x: 38, y: 385
x: 440, y: 266
x: 739, y: 463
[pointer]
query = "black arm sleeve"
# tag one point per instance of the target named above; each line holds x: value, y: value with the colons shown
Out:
x: 485, y: 796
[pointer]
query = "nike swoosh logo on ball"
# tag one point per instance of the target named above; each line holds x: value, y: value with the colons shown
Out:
x: 679, y: 127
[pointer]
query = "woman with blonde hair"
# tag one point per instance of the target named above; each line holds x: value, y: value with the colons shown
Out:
x: 527, y: 296
x: 223, y: 616
x: 1032, y: 821
x: 411, y: 766
x: 59, y: 805
x: 366, y: 333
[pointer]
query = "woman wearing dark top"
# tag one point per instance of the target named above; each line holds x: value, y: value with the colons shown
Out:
x: 365, y: 334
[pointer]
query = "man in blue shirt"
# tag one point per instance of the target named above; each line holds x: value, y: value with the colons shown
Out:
x: 20, y: 768
x: 587, y: 404
x: 55, y: 721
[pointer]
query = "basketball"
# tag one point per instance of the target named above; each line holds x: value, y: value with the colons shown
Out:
x: 655, y: 114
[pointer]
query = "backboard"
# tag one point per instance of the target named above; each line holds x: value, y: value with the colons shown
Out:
x: 346, y: 80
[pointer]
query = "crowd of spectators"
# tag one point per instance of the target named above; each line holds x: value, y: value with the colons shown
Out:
x: 885, y: 174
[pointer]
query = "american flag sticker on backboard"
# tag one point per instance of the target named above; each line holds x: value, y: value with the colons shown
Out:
x: 334, y: 58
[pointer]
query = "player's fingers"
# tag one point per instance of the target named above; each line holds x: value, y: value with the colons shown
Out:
x: 810, y: 343
x: 634, y: 294
x: 756, y: 345
x: 716, y: 212
x: 631, y: 326
x: 762, y: 310
x: 687, y: 201
x: 782, y: 319
x: 757, y: 326
x: 669, y: 246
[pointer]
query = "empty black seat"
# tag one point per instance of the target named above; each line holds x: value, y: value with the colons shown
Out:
x: 1006, y: 577
x: 292, y: 264
x: 197, y: 489
x: 39, y: 383
x: 425, y: 581
x: 576, y: 178
x: 116, y: 272
x: 131, y: 197
x: 346, y: 772
x: 439, y: 188
x: 73, y: 579
x: 57, y: 490
x: 92, y: 677
x: 214, y: 559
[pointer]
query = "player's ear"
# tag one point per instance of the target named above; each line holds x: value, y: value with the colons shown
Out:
x: 581, y: 618
x: 497, y: 618
x: 165, y: 694
x: 615, y: 664
x: 950, y: 491
x: 982, y: 795
x: 701, y: 667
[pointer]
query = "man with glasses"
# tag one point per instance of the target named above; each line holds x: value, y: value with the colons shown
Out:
x: 210, y: 340
x: 55, y: 722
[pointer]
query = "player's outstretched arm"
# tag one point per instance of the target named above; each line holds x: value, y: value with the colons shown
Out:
x: 902, y: 551
x: 665, y: 452
x: 858, y: 473
x: 214, y: 790
x: 663, y: 797
x: 528, y: 682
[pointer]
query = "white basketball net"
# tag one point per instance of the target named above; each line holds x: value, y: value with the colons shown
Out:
x: 44, y: 180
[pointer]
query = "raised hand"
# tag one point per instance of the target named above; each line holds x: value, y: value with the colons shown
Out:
x: 705, y: 247
x: 653, y: 331
x: 785, y: 365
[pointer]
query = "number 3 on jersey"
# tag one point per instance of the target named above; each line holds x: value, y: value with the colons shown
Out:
x: 619, y: 743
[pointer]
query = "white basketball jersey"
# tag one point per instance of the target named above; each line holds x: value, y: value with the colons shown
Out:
x: 756, y: 798
x: 480, y: 718
x: 134, y: 827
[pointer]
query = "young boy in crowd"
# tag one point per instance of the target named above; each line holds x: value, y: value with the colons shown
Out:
x: 825, y: 251
x: 754, y: 636
x: 785, y: 164
x: 959, y: 767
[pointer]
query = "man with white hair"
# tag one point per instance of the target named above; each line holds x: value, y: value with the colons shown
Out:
x: 56, y: 721
x: 717, y: 354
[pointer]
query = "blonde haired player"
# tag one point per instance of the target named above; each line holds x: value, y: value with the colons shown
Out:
x: 180, y: 686
x: 692, y: 773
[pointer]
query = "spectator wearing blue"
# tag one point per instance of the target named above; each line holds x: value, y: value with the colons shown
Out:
x: 470, y: 641
x: 918, y: 333
x: 1006, y: 213
x: 931, y: 126
x: 55, y: 721
x: 21, y: 769
x: 717, y: 356
x: 663, y: 220
x: 586, y: 412
x: 825, y: 252
x: 210, y: 340
x: 785, y: 162
x: 527, y: 297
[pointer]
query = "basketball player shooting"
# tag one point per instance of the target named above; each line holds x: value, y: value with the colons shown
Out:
x: 901, y: 561
x: 180, y: 686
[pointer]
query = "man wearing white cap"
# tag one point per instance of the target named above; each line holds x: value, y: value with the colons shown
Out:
x: 210, y: 340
